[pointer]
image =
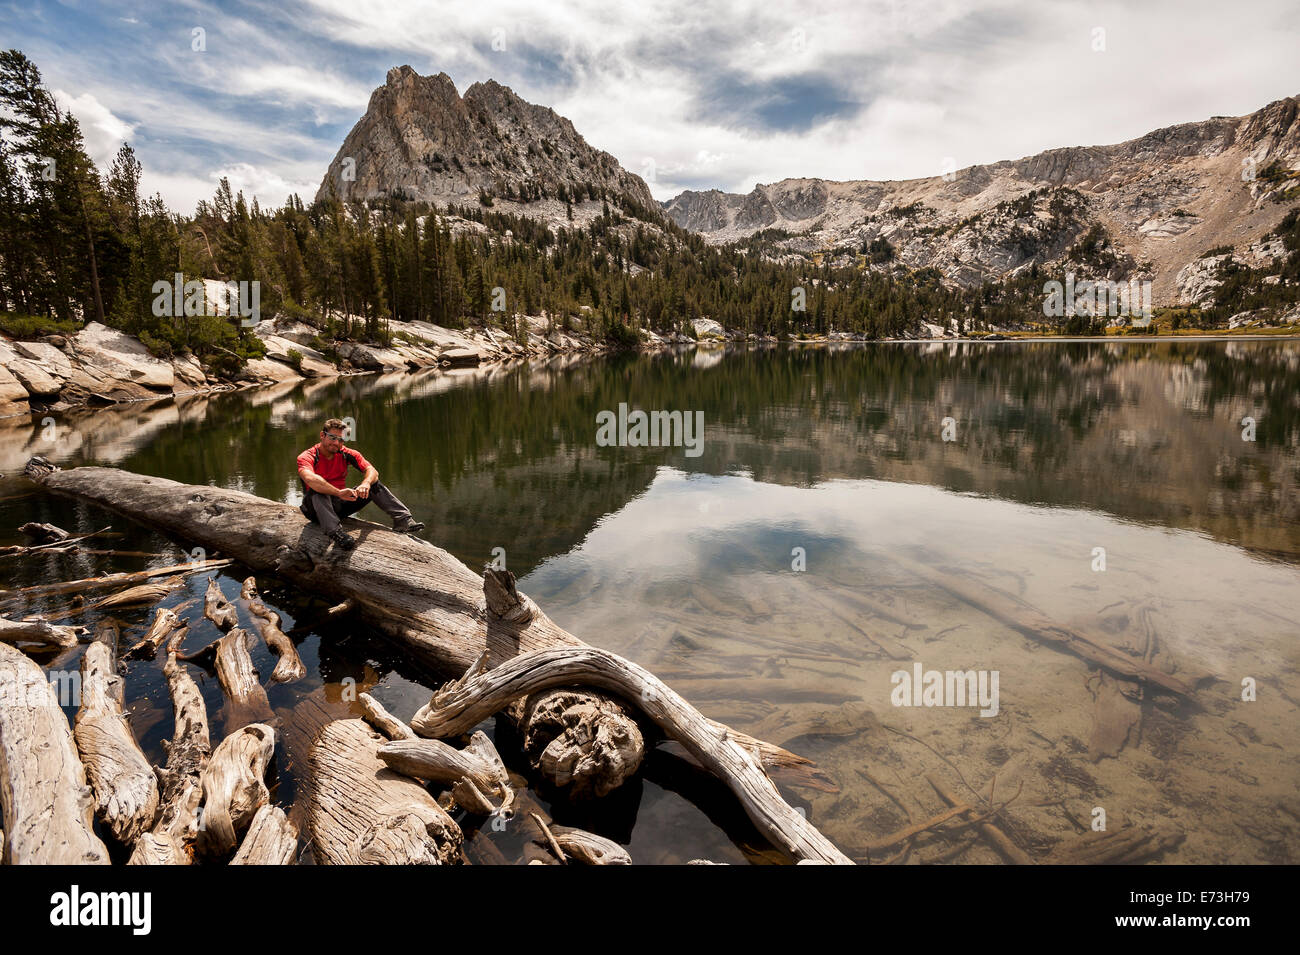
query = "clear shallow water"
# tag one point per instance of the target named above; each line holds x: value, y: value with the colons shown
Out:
x: 686, y: 565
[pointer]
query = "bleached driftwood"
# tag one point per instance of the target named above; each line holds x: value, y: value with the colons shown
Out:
x: 173, y: 836
x: 234, y: 785
x: 165, y: 623
x: 37, y: 631
x: 477, y: 777
x: 108, y: 582
x: 217, y: 608
x: 358, y: 811
x: 374, y: 713
x: 48, y: 806
x: 138, y: 595
x: 267, y: 621
x: 461, y: 704
x: 414, y: 592
x: 589, y: 848
x: 271, y: 839
x: 125, y: 788
x: 246, y: 699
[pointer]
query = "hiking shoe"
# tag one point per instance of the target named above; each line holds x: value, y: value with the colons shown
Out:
x: 408, y: 526
x: 342, y: 541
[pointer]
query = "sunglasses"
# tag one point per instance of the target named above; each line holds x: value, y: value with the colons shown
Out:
x: 331, y: 437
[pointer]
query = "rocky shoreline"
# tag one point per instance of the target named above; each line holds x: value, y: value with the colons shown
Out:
x: 102, y: 366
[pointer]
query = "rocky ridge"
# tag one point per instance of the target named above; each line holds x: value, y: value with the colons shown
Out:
x: 1164, y: 198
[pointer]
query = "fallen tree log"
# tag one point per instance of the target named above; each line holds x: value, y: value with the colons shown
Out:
x: 234, y: 786
x: 173, y: 836
x: 289, y: 666
x: 406, y: 588
x: 37, y: 631
x: 271, y: 840
x: 358, y: 811
x: 48, y: 805
x: 125, y: 788
x: 461, y: 704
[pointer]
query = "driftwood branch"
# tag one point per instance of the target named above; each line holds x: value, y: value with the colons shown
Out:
x: 48, y: 806
x: 108, y: 582
x: 1012, y: 852
x: 460, y: 705
x: 289, y: 666
x: 37, y: 631
x: 165, y: 624
x: 477, y: 777
x: 217, y: 608
x: 382, y: 720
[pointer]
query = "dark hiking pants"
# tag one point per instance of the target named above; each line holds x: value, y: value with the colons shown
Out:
x: 327, y: 511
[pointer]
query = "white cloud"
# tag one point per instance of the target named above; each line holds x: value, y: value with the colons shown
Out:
x: 103, y: 132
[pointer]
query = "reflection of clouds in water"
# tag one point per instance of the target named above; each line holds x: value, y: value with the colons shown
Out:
x: 852, y: 530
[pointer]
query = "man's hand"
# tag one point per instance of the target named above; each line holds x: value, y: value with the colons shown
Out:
x: 348, y: 494
x: 363, y: 491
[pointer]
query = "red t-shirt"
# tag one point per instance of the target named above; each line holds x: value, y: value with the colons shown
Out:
x: 335, y: 470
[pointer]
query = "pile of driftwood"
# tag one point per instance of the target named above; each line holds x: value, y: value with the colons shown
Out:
x: 583, y: 714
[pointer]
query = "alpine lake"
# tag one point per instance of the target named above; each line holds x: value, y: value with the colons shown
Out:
x: 855, y: 523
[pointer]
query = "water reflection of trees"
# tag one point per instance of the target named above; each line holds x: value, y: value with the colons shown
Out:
x: 1144, y: 430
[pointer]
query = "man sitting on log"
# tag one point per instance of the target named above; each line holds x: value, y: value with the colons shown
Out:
x: 323, y: 469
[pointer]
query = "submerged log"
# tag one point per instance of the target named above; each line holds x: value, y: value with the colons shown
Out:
x: 125, y: 788
x: 173, y: 836
x: 1115, y: 847
x: 267, y: 621
x: 361, y: 812
x: 271, y: 840
x: 37, y: 631
x: 43, y: 533
x: 460, y: 705
x: 406, y: 588
x: 1023, y: 618
x: 48, y: 806
x: 234, y: 786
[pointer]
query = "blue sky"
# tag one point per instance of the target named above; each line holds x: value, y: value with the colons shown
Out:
x: 694, y: 95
